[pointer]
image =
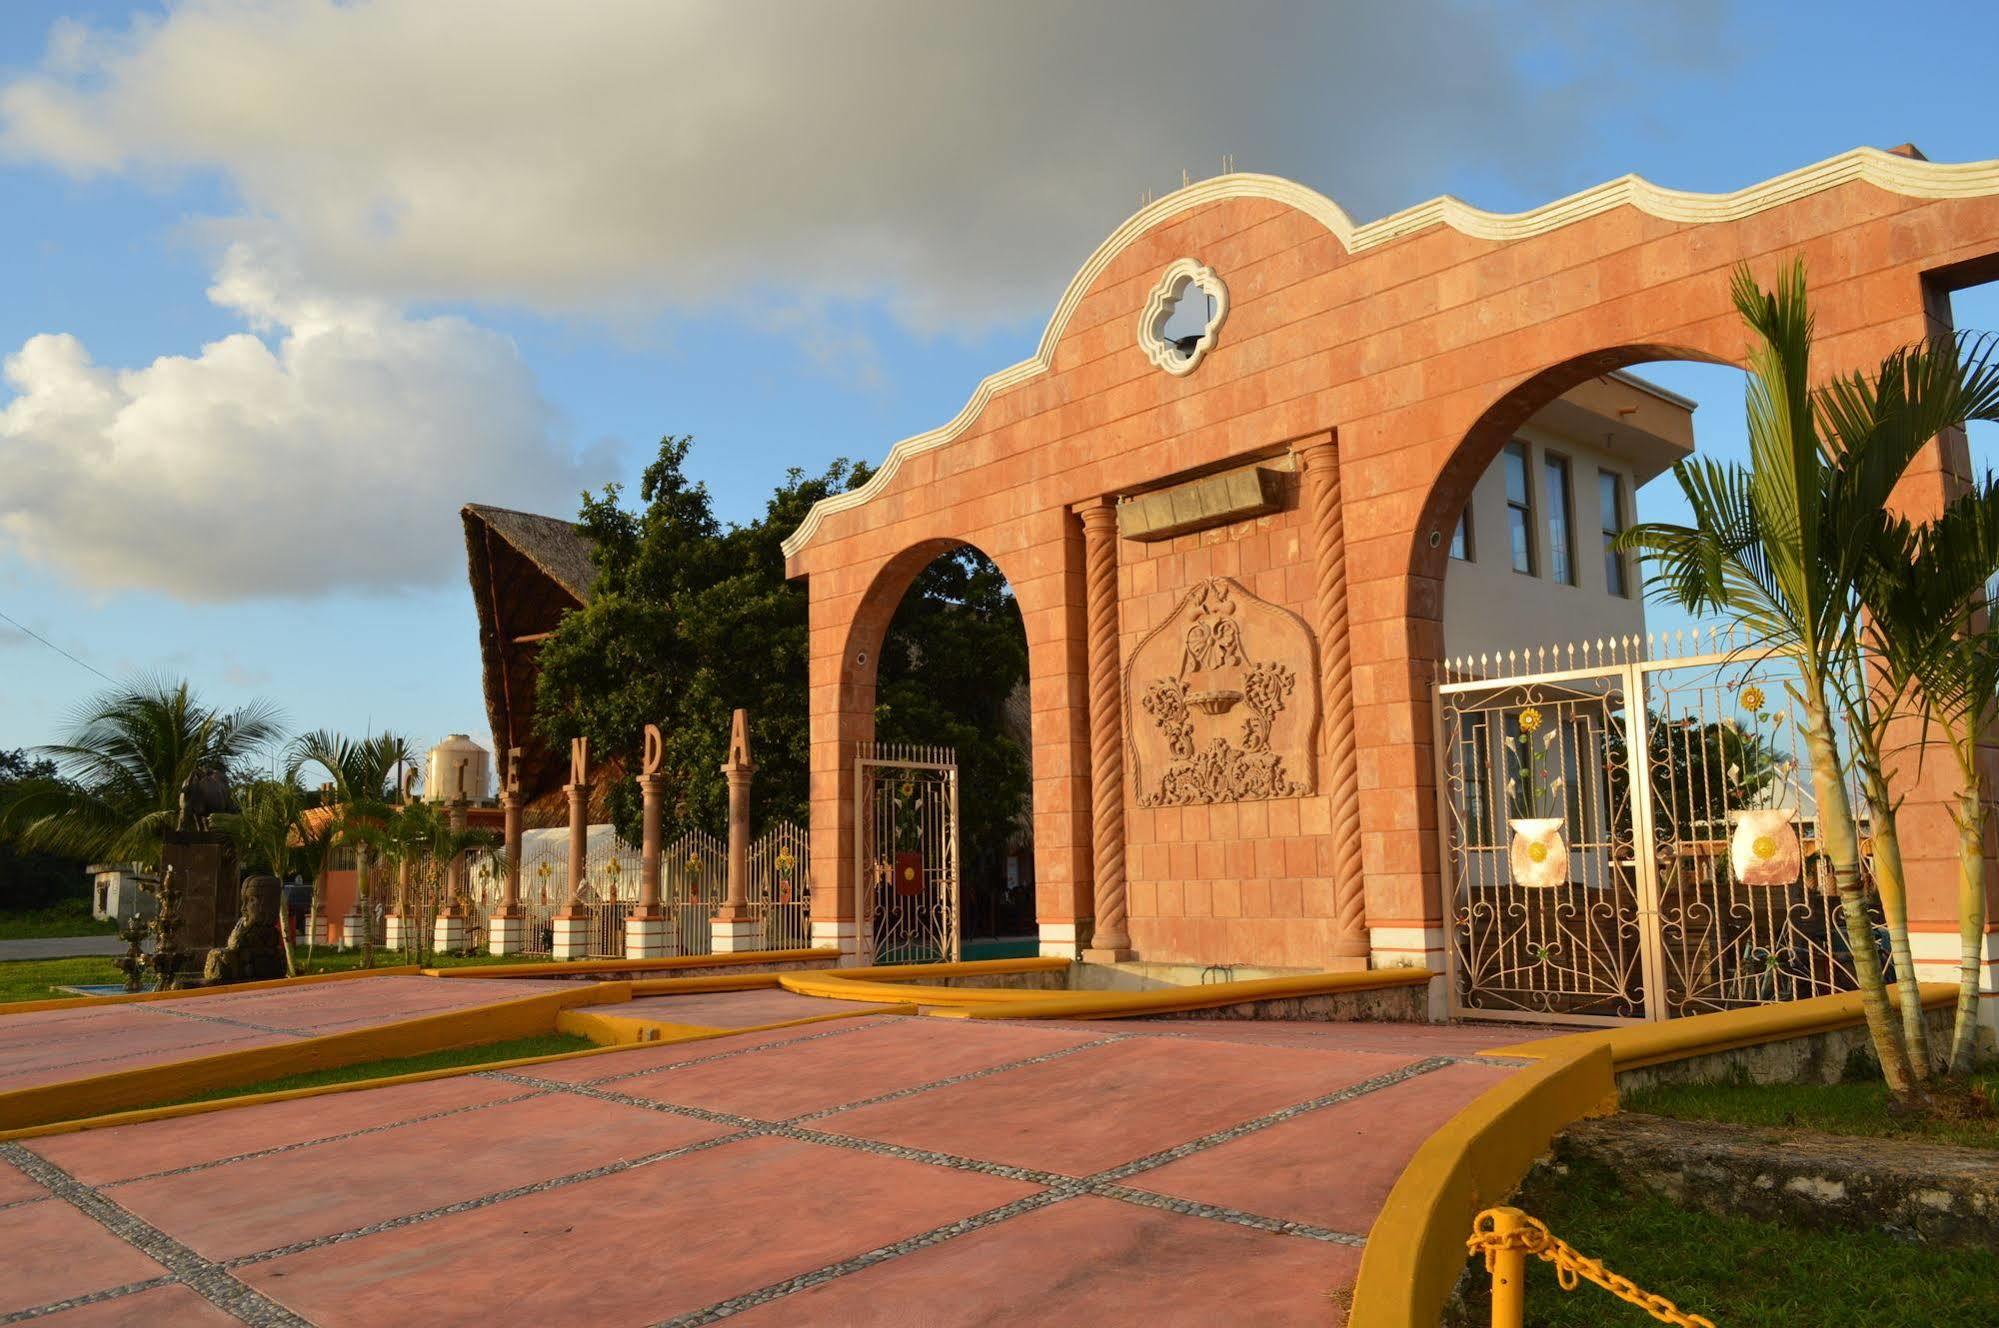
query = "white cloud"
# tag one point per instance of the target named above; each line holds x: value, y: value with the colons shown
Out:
x: 955, y: 160
x: 334, y: 454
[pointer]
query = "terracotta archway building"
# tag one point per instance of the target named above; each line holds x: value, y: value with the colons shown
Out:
x: 1369, y: 374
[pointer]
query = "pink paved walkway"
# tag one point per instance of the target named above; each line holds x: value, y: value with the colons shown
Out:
x: 881, y: 1170
x: 52, y: 1045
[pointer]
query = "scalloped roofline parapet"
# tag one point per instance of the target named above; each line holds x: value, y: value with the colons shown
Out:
x: 1910, y: 177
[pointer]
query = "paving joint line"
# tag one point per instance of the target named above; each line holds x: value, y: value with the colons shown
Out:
x: 849, y: 1027
x: 89, y: 1298
x: 161, y: 1008
x: 300, y: 1144
x: 210, y: 1280
x: 483, y: 1201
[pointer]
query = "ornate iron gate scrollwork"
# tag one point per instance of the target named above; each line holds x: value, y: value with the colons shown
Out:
x: 1665, y: 905
x: 906, y: 854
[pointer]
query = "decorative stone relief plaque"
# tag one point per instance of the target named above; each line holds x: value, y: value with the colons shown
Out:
x: 1222, y: 702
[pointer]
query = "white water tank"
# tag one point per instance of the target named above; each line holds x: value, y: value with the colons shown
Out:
x: 456, y: 752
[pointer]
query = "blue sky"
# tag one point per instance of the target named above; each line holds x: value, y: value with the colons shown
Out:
x: 513, y: 252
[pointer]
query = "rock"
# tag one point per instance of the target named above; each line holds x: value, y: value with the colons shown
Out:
x: 1912, y: 1189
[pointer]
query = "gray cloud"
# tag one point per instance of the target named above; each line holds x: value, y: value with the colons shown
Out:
x: 954, y: 160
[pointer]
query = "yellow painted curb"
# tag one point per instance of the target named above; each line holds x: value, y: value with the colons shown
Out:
x: 1170, y: 1000
x: 234, y: 989
x: 624, y: 1029
x: 584, y: 967
x: 1416, y: 1247
x: 1703, y: 1034
x: 147, y: 1085
x: 696, y: 986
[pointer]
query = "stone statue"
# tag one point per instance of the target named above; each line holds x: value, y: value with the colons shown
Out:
x: 205, y: 793
x: 255, y: 950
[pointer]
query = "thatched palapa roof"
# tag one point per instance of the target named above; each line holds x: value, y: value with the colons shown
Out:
x: 526, y: 571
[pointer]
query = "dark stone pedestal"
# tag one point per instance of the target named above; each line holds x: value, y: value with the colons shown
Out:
x: 204, y: 867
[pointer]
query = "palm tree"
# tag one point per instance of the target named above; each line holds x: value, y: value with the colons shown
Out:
x: 362, y: 773
x: 121, y: 766
x: 421, y: 842
x: 1873, y: 427
x: 1932, y: 613
x: 1769, y: 546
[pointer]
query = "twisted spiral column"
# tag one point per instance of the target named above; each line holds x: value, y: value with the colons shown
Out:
x: 1340, y: 775
x: 1112, y: 939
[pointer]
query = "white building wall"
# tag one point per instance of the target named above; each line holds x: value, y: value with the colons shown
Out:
x: 1489, y: 607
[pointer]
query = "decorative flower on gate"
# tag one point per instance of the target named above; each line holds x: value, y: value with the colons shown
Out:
x: 785, y: 862
x: 694, y: 864
x: 1752, y: 698
x: 1530, y: 720
x: 1764, y: 848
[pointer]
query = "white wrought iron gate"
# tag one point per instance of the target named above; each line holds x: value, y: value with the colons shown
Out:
x: 1682, y: 875
x: 906, y: 853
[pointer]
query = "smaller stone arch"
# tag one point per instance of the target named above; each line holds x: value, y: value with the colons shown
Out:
x: 1501, y: 419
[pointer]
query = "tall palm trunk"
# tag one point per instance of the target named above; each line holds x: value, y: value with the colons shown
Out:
x: 1970, y: 903
x: 365, y: 893
x: 1839, y: 843
x: 1892, y: 883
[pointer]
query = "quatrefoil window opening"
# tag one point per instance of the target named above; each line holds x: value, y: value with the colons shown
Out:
x: 1183, y: 316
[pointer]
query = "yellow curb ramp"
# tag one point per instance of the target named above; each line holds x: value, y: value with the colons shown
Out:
x: 956, y: 1003
x: 1416, y: 1248
x: 1638, y: 1045
x: 234, y: 989
x: 625, y: 1029
x: 586, y: 967
x: 149, y: 1085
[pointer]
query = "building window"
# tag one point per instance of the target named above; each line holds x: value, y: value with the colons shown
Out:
x: 1610, y: 499
x: 1561, y: 549
x: 1519, y: 507
x: 1461, y: 537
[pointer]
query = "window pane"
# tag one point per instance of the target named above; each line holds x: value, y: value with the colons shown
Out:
x: 1461, y: 537
x: 1610, y: 494
x: 1523, y: 547
x: 1560, y: 547
x: 1516, y: 474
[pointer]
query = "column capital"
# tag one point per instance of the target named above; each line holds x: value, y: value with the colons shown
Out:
x: 1098, y: 513
x: 1316, y: 450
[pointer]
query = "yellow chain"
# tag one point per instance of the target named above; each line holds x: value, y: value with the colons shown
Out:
x: 1570, y: 1266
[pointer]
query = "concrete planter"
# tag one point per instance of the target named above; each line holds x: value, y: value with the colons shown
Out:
x: 1540, y: 856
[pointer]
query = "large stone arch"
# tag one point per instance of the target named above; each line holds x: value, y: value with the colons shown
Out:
x: 1406, y: 344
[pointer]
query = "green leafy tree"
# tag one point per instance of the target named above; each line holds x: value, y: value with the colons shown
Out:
x: 29, y: 879
x: 954, y: 654
x: 688, y: 620
x: 120, y: 767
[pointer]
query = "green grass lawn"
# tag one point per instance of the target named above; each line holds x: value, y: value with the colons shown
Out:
x: 1738, y: 1272
x: 1857, y: 1107
x: 552, y: 1044
x: 37, y: 979
x: 69, y: 918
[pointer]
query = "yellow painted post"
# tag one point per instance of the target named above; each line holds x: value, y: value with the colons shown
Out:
x: 1509, y: 1270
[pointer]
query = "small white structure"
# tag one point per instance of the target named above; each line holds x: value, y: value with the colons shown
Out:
x: 442, y: 769
x: 118, y: 894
